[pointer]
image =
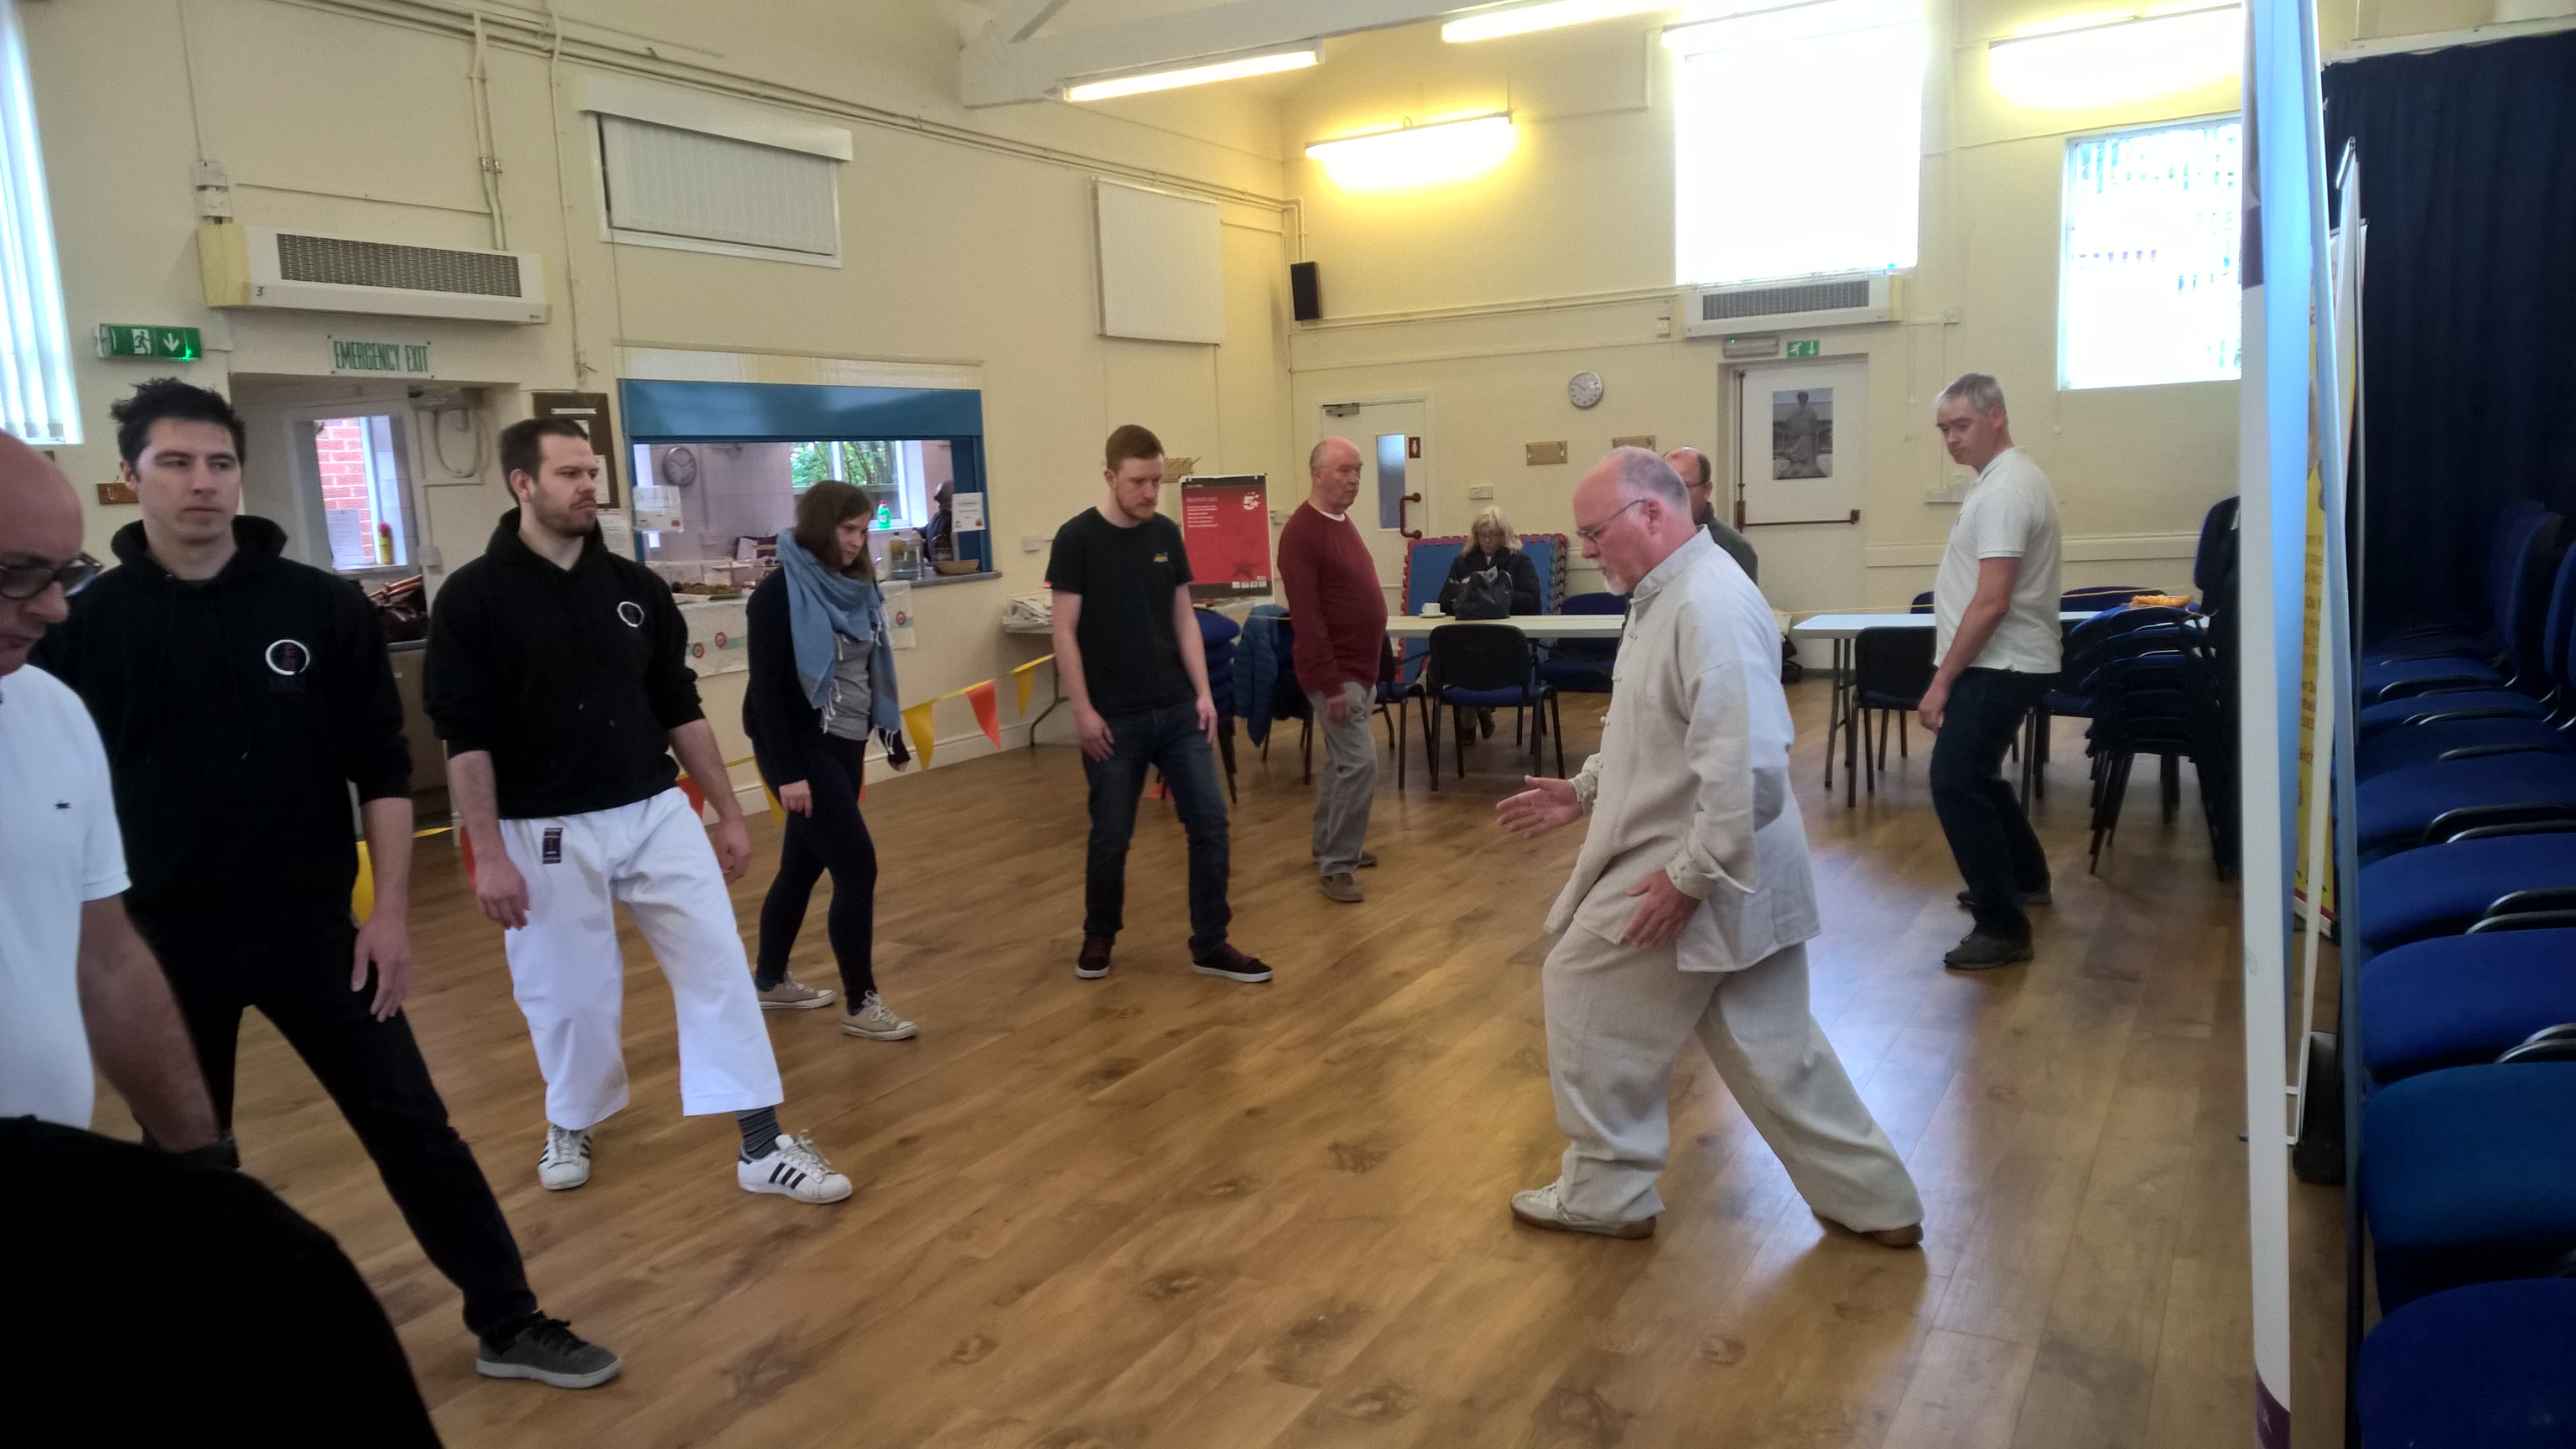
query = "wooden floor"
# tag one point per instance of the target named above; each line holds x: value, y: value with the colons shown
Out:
x: 1163, y: 1209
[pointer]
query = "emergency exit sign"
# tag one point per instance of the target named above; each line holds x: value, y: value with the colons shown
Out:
x: 175, y: 344
x: 1806, y: 347
x: 377, y: 358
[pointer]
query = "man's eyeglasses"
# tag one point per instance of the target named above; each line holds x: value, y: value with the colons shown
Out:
x: 23, y: 580
x: 1593, y: 534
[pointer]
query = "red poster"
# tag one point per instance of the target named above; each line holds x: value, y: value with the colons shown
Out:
x: 1225, y: 525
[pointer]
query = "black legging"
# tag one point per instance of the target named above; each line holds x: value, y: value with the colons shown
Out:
x: 832, y: 837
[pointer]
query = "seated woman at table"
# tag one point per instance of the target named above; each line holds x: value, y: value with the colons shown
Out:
x: 1495, y: 550
x: 1493, y: 556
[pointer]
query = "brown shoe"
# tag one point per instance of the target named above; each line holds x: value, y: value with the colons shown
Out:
x: 1367, y: 858
x: 1341, y: 886
x: 1093, y: 963
x: 1908, y: 1236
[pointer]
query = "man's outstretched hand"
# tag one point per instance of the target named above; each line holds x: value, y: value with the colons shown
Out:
x: 1544, y: 806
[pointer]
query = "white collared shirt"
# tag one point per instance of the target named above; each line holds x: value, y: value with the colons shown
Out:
x: 1693, y: 773
x: 59, y: 849
x: 2010, y: 512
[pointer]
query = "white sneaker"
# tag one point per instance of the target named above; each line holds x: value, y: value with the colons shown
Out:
x: 796, y: 1170
x: 791, y: 994
x: 874, y: 1022
x: 566, y: 1160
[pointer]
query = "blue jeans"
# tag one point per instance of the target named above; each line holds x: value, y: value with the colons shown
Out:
x: 1999, y: 855
x: 1168, y: 740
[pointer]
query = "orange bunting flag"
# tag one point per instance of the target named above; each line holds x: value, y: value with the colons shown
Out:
x: 916, y: 723
x: 988, y: 712
x: 1026, y: 678
x: 697, y: 797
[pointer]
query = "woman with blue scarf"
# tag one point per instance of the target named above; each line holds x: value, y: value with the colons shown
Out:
x: 822, y: 682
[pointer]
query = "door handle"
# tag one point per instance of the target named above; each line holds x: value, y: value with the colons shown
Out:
x: 1400, y: 516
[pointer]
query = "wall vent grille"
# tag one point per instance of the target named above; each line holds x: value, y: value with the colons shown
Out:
x: 1732, y: 303
x: 342, y: 262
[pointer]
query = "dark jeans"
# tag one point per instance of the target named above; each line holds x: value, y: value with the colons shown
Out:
x: 1167, y: 740
x: 298, y: 977
x: 835, y: 838
x: 1999, y: 855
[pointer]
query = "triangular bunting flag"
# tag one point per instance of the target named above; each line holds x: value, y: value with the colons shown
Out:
x: 1026, y: 678
x: 916, y: 723
x: 988, y: 713
x: 362, y: 896
x: 777, y: 812
x: 697, y: 797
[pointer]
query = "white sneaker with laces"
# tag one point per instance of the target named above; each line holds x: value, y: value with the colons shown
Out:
x: 796, y: 1170
x: 873, y: 1021
x: 791, y: 994
x: 566, y: 1161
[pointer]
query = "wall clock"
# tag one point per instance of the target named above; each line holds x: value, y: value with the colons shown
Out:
x: 679, y: 467
x: 1584, y: 389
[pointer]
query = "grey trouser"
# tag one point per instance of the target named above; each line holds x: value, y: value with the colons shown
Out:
x: 1617, y: 1018
x: 1349, y: 782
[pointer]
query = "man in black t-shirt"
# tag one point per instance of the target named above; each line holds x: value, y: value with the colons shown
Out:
x: 1127, y: 650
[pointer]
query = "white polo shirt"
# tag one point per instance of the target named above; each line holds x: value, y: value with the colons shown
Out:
x: 2009, y: 513
x: 59, y: 849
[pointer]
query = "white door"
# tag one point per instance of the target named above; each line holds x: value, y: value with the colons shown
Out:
x: 338, y: 478
x: 1395, y: 480
x: 1802, y: 492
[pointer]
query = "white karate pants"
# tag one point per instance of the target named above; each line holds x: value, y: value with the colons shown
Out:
x: 1617, y: 1019
x: 571, y: 982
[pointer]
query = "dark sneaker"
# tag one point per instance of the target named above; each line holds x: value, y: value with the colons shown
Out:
x: 548, y: 1351
x: 1233, y: 965
x: 2040, y: 897
x: 1980, y: 951
x: 1093, y: 963
x: 1340, y: 886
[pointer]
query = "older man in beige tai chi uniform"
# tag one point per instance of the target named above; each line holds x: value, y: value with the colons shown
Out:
x: 1691, y: 902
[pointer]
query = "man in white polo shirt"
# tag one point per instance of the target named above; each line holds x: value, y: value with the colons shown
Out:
x: 75, y: 979
x: 1996, y: 652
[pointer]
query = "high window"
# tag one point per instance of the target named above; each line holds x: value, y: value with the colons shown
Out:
x: 1798, y: 141
x: 2147, y: 284
x: 36, y: 398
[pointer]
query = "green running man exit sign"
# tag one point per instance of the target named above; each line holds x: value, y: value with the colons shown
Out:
x: 1806, y: 347
x: 174, y: 344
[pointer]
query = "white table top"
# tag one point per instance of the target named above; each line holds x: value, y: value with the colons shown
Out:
x: 1536, y: 626
x: 1844, y: 626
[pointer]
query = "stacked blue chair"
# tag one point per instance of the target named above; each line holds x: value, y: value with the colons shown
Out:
x: 2517, y: 598
x: 2467, y: 1176
x: 1221, y: 637
x: 2468, y: 636
x: 2481, y: 1367
x: 2422, y: 728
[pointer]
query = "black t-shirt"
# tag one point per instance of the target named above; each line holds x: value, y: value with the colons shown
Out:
x: 1131, y: 659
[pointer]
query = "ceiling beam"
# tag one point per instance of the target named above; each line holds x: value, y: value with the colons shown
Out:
x: 1008, y: 62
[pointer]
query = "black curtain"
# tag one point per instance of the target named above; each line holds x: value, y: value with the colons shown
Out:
x: 2468, y: 183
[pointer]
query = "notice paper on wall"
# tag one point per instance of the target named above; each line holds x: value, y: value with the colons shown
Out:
x: 1225, y: 525
x: 657, y: 508
x: 966, y: 512
x: 615, y: 533
x: 898, y: 613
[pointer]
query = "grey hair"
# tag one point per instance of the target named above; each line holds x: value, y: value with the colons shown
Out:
x: 1492, y: 515
x: 1641, y: 474
x: 1978, y: 390
x: 1315, y: 455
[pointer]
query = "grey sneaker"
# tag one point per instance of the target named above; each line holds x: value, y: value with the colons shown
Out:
x: 1981, y: 951
x: 548, y: 1351
x: 791, y: 994
x: 874, y: 1022
x: 566, y: 1161
x: 1341, y: 886
x: 1542, y: 1207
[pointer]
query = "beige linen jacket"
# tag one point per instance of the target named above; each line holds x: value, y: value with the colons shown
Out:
x: 1693, y: 773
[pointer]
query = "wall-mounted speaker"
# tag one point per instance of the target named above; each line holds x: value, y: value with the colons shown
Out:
x: 1305, y: 292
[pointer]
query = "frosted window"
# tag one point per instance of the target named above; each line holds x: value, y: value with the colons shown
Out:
x: 1798, y: 142
x: 36, y: 399
x: 695, y: 186
x: 2147, y: 286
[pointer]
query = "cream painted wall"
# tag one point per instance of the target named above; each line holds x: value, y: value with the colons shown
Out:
x: 968, y: 236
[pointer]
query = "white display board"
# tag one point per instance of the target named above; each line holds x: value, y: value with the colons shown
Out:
x: 1161, y: 277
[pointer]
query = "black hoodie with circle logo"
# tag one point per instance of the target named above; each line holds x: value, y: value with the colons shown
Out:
x: 572, y: 679
x: 238, y: 714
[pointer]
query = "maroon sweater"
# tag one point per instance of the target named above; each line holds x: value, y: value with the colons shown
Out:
x: 1339, y: 611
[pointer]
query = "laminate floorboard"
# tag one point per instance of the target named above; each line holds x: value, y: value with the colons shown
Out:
x: 1167, y: 1210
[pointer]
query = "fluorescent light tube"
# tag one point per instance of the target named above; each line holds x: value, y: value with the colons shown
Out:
x: 1417, y: 155
x: 1196, y: 75
x: 1497, y: 23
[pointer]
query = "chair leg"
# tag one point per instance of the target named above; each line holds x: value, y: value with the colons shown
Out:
x: 1556, y: 706
x: 1900, y: 734
x: 1398, y: 724
x: 1305, y: 752
x: 2169, y: 786
x: 1517, y: 723
x: 1868, y: 757
x: 1431, y: 740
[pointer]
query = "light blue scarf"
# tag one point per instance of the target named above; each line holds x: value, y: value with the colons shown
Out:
x: 820, y: 604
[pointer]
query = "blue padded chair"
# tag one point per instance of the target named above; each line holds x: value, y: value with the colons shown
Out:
x: 1922, y: 603
x: 2482, y: 1367
x: 2519, y: 601
x: 1547, y: 554
x: 2469, y: 1177
x: 1426, y: 568
x: 2406, y: 808
x: 2456, y: 1001
x: 2539, y: 715
x: 2442, y: 890
x: 1221, y: 638
x: 1579, y: 666
x: 1480, y: 666
x: 2504, y: 537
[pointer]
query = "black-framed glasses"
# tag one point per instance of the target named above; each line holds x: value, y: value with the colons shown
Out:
x: 25, y: 580
x: 1593, y: 534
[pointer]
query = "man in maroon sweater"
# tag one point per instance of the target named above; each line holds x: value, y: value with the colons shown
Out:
x: 1340, y: 618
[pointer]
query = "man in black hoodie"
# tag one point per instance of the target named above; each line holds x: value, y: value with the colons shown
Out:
x: 240, y: 696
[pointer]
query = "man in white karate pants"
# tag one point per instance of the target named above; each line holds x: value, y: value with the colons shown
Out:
x: 556, y: 676
x: 1691, y: 901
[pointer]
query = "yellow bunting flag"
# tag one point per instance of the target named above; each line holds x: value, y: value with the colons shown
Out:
x: 777, y: 811
x: 988, y: 713
x: 362, y: 896
x: 916, y: 723
x: 1025, y: 677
